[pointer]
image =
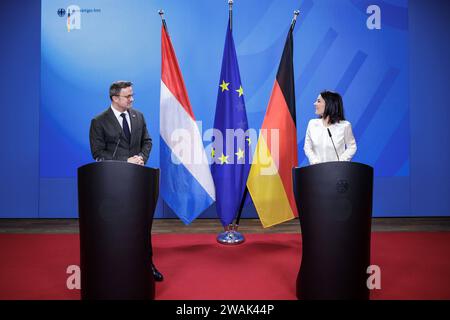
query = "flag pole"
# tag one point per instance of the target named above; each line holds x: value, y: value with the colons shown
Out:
x: 241, y: 207
x: 230, y: 13
x: 231, y: 236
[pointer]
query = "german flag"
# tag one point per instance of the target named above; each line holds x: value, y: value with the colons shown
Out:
x: 270, y: 177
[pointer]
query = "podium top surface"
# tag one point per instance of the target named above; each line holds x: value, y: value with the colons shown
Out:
x: 114, y: 164
x: 335, y: 164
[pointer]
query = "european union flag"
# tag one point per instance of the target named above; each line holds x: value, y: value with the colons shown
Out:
x: 230, y: 151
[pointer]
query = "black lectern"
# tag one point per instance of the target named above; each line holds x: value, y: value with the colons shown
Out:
x: 116, y: 203
x: 334, y: 200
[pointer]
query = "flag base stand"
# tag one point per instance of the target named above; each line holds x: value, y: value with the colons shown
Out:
x: 230, y: 236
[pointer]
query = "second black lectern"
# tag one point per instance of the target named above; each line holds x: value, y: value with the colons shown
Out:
x: 334, y: 201
x: 116, y: 203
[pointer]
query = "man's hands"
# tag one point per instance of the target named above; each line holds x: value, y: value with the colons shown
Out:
x: 136, y: 160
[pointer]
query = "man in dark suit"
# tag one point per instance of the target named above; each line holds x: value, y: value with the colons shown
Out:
x: 110, y: 140
x: 120, y: 133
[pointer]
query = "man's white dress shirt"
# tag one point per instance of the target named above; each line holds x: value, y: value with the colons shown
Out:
x: 120, y: 119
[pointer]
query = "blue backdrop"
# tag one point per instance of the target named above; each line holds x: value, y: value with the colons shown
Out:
x: 334, y: 49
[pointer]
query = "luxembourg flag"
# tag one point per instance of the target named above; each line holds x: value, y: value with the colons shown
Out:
x: 186, y: 182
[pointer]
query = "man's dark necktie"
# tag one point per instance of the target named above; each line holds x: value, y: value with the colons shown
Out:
x: 126, y: 128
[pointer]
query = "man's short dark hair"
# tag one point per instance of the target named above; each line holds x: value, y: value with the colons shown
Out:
x: 116, y: 87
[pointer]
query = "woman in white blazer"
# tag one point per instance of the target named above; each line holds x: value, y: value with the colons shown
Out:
x: 318, y: 143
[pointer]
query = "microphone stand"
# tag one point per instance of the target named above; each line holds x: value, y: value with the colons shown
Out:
x: 115, y: 149
x: 329, y: 133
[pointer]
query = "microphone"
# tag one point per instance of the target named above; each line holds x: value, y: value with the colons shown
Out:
x: 329, y: 133
x: 115, y: 149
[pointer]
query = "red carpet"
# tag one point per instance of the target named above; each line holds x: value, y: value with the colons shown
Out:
x: 413, y: 266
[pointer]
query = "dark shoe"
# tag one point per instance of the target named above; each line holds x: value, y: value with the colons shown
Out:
x: 156, y: 274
